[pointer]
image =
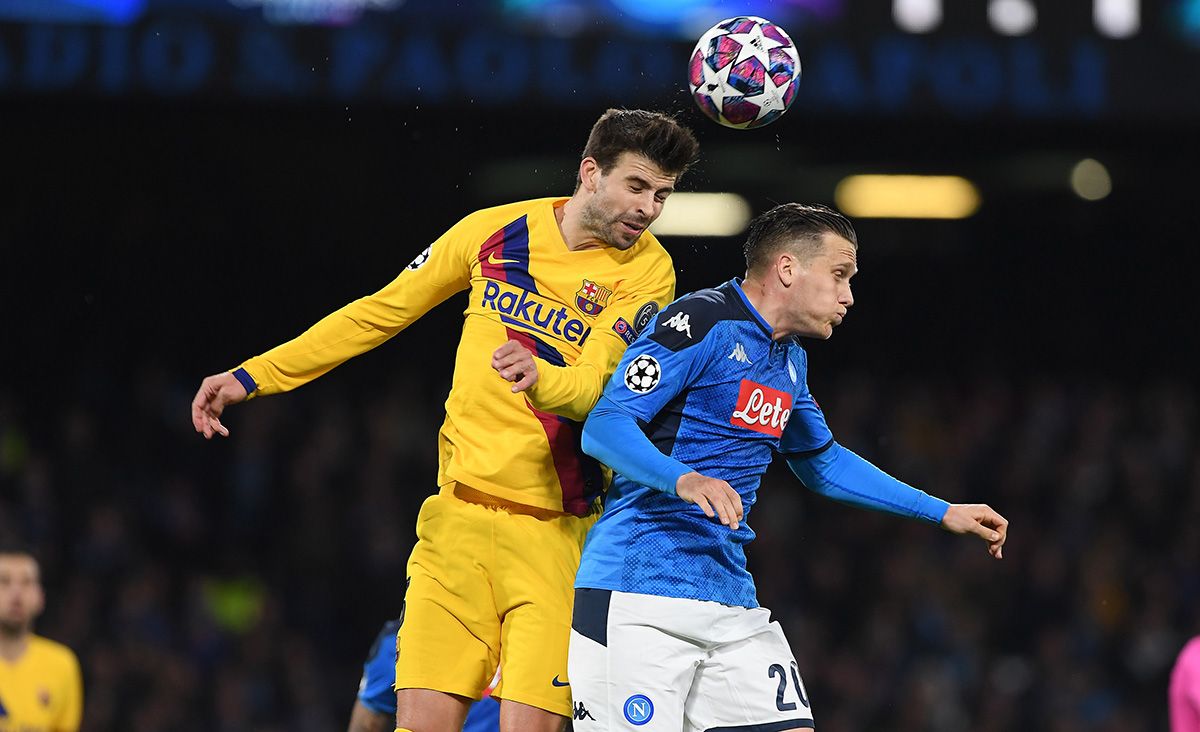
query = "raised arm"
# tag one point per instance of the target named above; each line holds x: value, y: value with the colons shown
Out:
x: 437, y: 273
x: 840, y: 474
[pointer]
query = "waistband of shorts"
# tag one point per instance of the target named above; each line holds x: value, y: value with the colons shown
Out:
x: 468, y: 494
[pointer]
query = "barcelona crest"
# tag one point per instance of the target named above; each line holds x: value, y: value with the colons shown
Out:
x: 592, y: 298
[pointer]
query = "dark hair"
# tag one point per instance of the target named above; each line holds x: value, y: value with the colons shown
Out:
x: 16, y: 548
x: 654, y: 135
x: 801, y: 225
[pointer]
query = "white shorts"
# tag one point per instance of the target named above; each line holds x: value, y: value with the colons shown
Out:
x: 643, y: 662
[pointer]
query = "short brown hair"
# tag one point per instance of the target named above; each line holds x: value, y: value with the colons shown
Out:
x: 656, y: 136
x: 791, y: 222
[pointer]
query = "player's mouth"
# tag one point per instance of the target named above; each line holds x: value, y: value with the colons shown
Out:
x: 632, y: 229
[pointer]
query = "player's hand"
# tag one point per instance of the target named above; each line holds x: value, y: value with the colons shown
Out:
x: 981, y: 520
x: 216, y: 392
x: 515, y: 363
x: 711, y: 495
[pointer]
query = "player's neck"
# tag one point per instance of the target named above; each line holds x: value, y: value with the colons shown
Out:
x: 768, y: 308
x: 573, y: 234
x: 13, y: 645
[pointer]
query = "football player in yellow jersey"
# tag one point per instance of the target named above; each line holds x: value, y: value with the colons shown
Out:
x: 41, y: 689
x: 558, y: 288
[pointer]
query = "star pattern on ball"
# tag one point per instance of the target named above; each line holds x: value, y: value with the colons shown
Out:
x: 715, y: 83
x: 771, y: 98
x: 755, y: 45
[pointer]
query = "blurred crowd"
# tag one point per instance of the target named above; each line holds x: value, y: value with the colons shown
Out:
x: 236, y: 585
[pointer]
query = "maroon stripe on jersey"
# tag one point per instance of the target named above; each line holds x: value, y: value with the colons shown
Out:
x: 575, y: 469
x: 505, y: 255
x: 493, y: 251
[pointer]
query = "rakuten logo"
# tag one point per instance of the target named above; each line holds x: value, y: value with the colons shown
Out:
x: 762, y: 408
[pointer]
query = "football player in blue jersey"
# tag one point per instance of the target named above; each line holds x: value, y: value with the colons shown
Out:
x: 666, y: 626
x: 375, y: 707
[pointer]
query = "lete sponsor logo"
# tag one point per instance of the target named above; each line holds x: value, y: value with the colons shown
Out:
x: 762, y: 408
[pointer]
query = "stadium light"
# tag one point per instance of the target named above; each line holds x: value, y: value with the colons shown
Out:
x: 1012, y: 17
x: 907, y: 196
x: 703, y: 214
x: 1117, y: 18
x: 1090, y: 180
x: 917, y: 16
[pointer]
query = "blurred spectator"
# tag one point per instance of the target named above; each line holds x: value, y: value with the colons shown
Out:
x: 1184, y: 693
x: 233, y: 587
x: 40, y: 685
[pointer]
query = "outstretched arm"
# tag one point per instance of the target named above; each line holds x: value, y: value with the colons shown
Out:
x: 216, y: 392
x: 838, y: 473
x: 347, y: 332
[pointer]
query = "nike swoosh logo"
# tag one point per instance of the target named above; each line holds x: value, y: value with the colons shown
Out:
x: 493, y: 260
x: 556, y: 682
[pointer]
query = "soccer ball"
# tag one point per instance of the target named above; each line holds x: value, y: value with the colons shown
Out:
x: 744, y: 72
x: 642, y: 375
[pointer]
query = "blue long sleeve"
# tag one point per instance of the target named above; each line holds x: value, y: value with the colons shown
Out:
x: 612, y: 436
x: 839, y: 474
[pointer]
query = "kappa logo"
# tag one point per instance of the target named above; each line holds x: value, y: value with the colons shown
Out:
x: 762, y: 409
x: 739, y: 354
x: 680, y: 322
x: 581, y: 712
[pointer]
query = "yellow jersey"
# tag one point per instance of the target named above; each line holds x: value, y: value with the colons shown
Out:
x: 575, y: 310
x: 42, y: 691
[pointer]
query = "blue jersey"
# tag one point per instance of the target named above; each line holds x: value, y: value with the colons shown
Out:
x: 376, y: 691
x: 711, y: 390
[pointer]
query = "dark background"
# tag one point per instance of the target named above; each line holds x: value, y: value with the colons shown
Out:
x: 157, y: 226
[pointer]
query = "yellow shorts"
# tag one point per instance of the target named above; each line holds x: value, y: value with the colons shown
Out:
x: 487, y: 587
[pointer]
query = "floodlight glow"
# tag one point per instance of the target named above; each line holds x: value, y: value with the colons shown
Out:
x: 1117, y: 18
x: 917, y: 16
x: 703, y: 214
x: 1090, y: 180
x: 907, y: 196
x: 1012, y: 17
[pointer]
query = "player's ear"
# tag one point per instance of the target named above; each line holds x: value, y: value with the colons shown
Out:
x: 786, y: 268
x: 589, y: 173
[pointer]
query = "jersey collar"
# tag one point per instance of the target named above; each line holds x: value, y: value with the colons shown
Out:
x: 736, y: 284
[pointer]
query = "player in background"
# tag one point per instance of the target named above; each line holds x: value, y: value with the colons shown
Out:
x: 667, y: 625
x: 375, y: 707
x: 558, y: 288
x: 41, y: 688
x: 1183, y: 695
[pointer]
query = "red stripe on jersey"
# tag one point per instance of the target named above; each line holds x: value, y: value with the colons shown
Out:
x: 490, y: 255
x: 572, y: 466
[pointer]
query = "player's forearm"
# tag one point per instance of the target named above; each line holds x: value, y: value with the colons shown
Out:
x: 363, y: 719
x: 613, y: 437
x: 840, y: 474
x: 568, y: 391
x: 336, y: 338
